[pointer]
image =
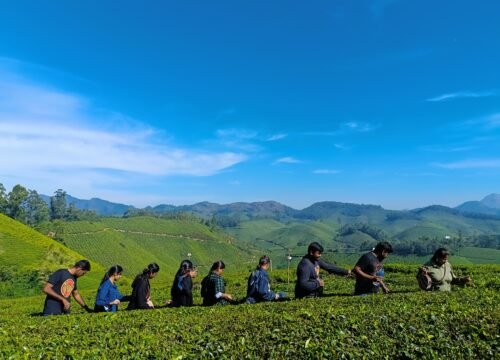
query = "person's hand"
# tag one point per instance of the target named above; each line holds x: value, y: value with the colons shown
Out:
x: 115, y: 302
x: 193, y: 273
x: 321, y: 282
x: 168, y: 302
x: 66, y: 304
x: 150, y: 303
x: 468, y: 281
x: 377, y: 278
x: 228, y: 297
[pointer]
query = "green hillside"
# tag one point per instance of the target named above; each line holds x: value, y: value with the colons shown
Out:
x: 137, y: 241
x: 28, y: 257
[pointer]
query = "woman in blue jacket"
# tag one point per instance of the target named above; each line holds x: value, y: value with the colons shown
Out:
x: 108, y: 297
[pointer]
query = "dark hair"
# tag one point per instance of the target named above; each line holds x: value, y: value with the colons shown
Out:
x: 151, y: 269
x: 218, y: 265
x: 264, y: 259
x: 82, y: 264
x: 186, y: 265
x: 383, y: 246
x: 315, y: 246
x: 115, y: 269
x: 440, y: 253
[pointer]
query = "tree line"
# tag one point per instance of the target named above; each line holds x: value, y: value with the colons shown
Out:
x: 28, y: 207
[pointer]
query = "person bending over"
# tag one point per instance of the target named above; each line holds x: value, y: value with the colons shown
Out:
x: 182, y: 288
x: 369, y: 271
x: 108, y: 296
x: 60, y: 286
x: 213, y: 286
x: 258, y: 288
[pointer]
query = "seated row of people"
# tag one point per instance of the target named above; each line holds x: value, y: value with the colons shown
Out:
x: 437, y: 274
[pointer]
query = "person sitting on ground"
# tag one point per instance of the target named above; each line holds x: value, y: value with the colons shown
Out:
x: 60, y: 286
x: 108, y: 296
x: 258, y: 288
x: 309, y: 284
x: 213, y: 286
x: 182, y: 288
x: 369, y: 270
x: 141, y: 290
x: 441, y: 274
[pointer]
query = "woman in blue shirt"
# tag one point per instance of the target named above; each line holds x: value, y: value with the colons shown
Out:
x: 108, y: 297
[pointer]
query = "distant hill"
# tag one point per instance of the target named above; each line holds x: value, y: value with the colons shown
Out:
x: 28, y: 257
x: 137, y: 241
x: 490, y: 205
x: 101, y: 207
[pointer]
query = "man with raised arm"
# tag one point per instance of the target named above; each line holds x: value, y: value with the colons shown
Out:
x: 309, y: 284
x: 60, y: 286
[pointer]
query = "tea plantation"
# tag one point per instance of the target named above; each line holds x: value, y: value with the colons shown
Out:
x: 407, y: 323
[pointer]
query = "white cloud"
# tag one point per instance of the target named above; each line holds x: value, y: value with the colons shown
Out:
x: 326, y: 171
x: 470, y: 164
x: 287, y: 160
x: 276, y: 137
x: 51, y: 134
x: 462, y: 94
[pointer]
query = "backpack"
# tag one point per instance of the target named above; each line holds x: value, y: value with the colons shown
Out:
x: 205, y: 287
x: 253, y: 285
x: 424, y: 279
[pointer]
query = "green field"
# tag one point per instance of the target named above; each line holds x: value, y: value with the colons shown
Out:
x: 408, y: 324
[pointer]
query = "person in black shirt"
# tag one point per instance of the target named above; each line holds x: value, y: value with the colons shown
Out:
x: 309, y: 284
x: 60, y: 286
x: 141, y: 290
x: 182, y: 288
x: 369, y: 270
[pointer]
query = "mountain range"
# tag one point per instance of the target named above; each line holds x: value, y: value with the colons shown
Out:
x: 490, y: 206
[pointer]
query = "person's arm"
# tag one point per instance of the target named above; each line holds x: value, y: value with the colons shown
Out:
x: 332, y: 268
x: 455, y: 280
x: 304, y: 278
x: 49, y: 290
x: 79, y: 300
x: 361, y: 273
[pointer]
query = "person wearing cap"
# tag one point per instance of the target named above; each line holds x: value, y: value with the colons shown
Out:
x: 258, y: 288
x: 309, y: 284
x: 441, y: 274
x: 369, y: 270
x: 60, y: 286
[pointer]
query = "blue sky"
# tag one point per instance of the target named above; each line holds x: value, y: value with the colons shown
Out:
x: 385, y: 102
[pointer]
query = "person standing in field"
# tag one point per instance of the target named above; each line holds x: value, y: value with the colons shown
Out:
x: 182, y: 288
x: 108, y: 296
x: 141, y: 290
x: 441, y: 274
x: 369, y: 270
x: 213, y: 286
x: 258, y: 288
x: 309, y: 284
x: 60, y: 286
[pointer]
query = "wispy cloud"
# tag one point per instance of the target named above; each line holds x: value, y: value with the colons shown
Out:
x: 287, y: 160
x: 470, y: 164
x: 326, y: 171
x: 52, y: 134
x: 463, y: 94
x: 276, y: 137
x: 345, y: 128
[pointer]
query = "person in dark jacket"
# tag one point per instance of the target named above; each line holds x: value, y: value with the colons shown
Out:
x: 369, y: 271
x: 309, y: 284
x: 258, y: 288
x: 108, y: 296
x: 182, y: 288
x: 141, y: 290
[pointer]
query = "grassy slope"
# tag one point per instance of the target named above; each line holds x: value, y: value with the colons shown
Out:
x: 28, y: 257
x: 136, y: 242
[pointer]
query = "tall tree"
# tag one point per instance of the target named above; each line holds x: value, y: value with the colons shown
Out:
x: 16, y: 202
x: 3, y: 199
x: 58, y: 205
x: 37, y: 210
